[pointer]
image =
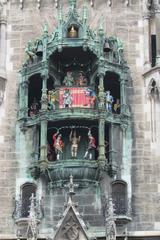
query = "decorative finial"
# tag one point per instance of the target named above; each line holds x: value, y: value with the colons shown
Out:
x: 92, y: 3
x: 72, y: 4
x: 85, y: 12
x: 21, y: 2
x: 109, y: 3
x: 45, y: 29
x: 38, y: 4
x: 56, y: 3
x: 127, y: 3
x: 60, y: 13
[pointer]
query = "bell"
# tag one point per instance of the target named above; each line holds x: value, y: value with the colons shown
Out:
x: 39, y: 50
x: 106, y: 47
x: 73, y: 33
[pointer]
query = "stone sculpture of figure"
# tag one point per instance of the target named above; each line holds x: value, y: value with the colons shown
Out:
x: 68, y: 80
x: 30, y: 51
x: 109, y: 101
x: 91, y: 146
x: 116, y: 106
x: 58, y: 144
x: 67, y: 99
x: 74, y: 143
x: 120, y: 51
x: 81, y: 81
x: 33, y: 108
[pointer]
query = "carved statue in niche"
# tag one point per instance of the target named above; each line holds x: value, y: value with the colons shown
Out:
x: 31, y: 52
x: 91, y: 146
x: 67, y: 99
x: 58, y: 144
x: 68, y: 80
x: 109, y: 101
x: 74, y: 143
x: 71, y: 230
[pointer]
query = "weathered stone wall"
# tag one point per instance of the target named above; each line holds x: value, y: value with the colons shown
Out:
x: 121, y: 21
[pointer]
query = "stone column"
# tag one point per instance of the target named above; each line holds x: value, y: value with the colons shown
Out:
x: 122, y: 95
x: 157, y: 20
x: 112, y: 150
x: 146, y: 26
x: 44, y: 100
x: 43, y: 141
x: 101, y: 94
x: 101, y: 139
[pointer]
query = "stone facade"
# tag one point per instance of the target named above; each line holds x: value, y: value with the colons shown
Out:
x: 131, y: 22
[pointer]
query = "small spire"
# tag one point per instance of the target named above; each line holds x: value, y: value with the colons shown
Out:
x: 45, y: 29
x: 72, y: 4
x: 60, y: 13
x: 85, y: 11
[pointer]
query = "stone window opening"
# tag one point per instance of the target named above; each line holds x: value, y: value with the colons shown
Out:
x: 27, y: 190
x: 119, y: 196
x: 153, y: 50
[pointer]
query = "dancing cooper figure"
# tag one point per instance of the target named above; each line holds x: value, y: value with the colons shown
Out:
x: 91, y: 146
x: 58, y: 144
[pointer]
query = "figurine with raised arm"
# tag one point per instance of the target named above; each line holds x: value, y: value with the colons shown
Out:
x: 67, y: 99
x: 74, y: 143
x: 58, y: 144
x: 30, y: 51
x: 91, y: 146
x: 68, y: 80
x: 109, y: 101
